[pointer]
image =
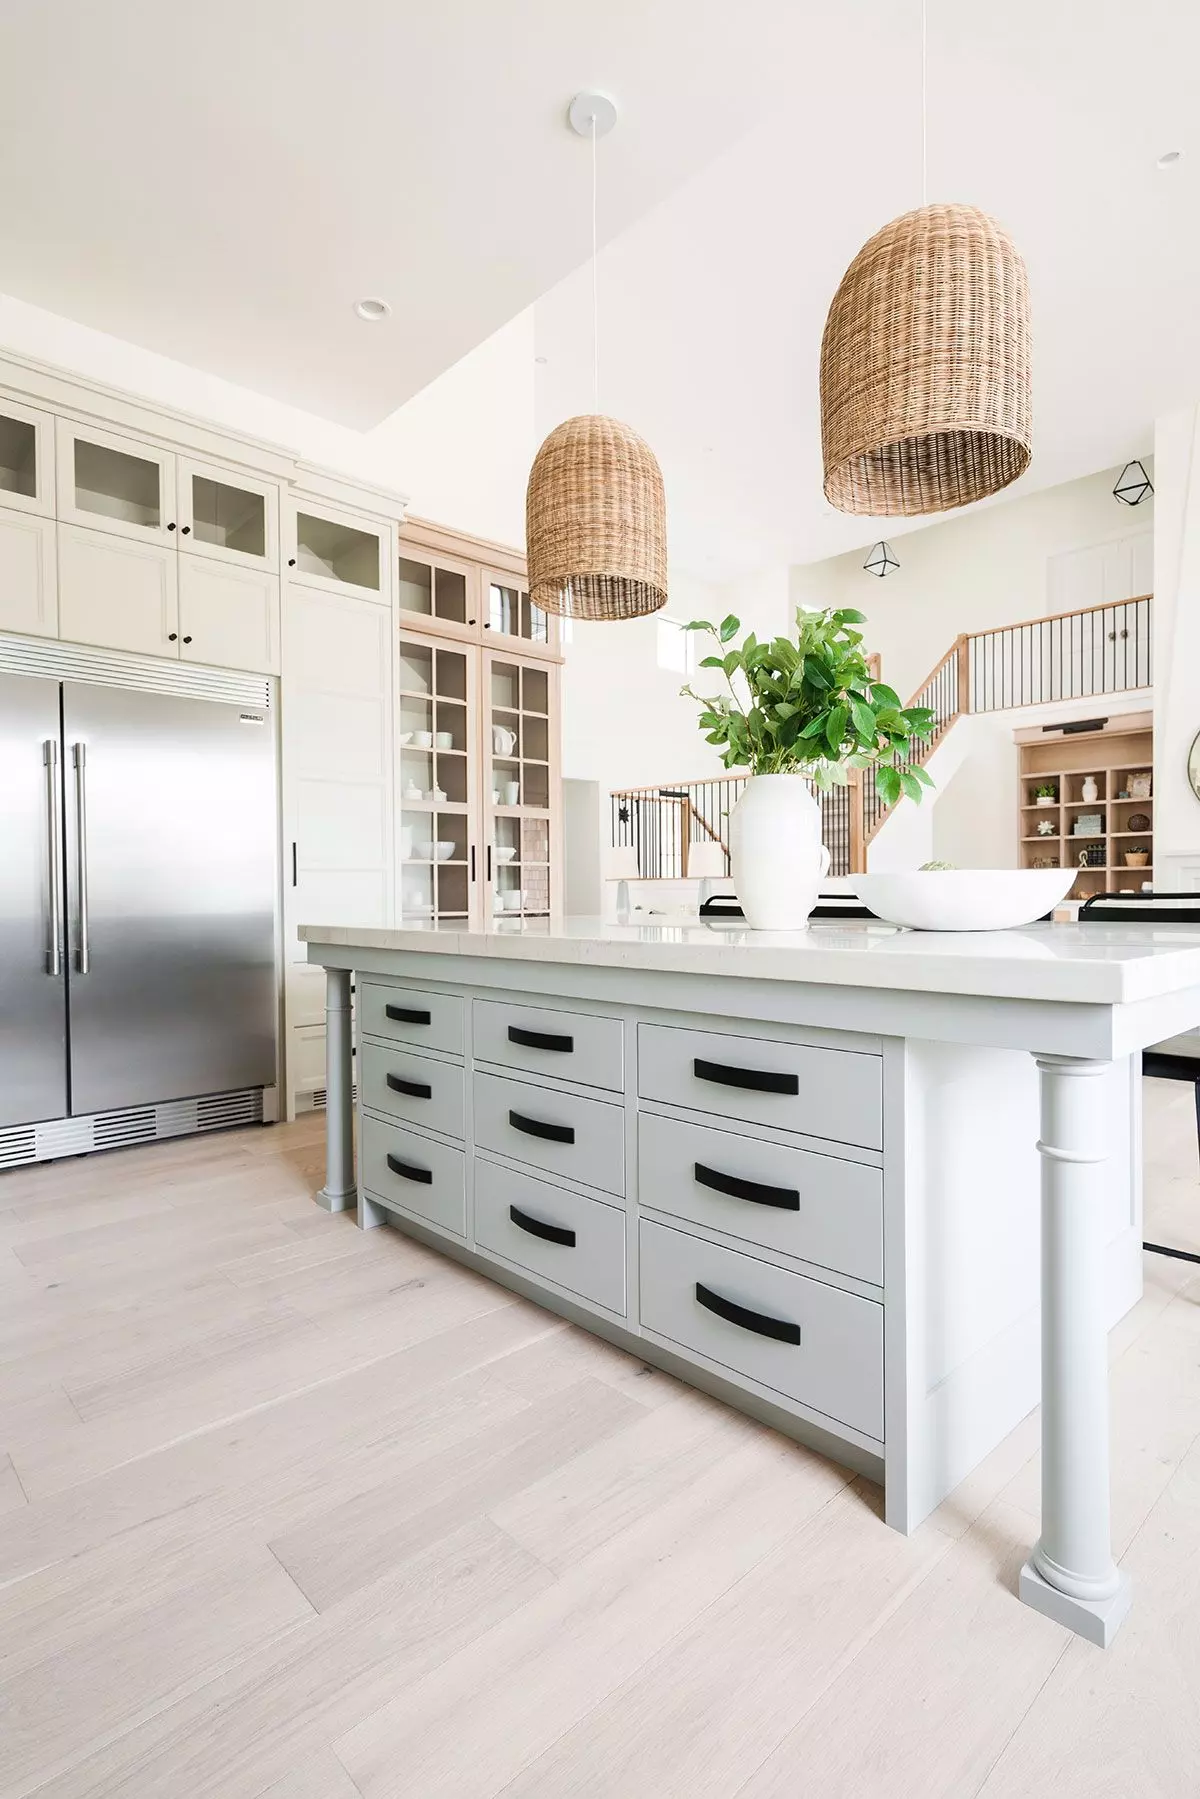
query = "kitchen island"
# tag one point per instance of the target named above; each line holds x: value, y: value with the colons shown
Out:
x: 879, y: 1188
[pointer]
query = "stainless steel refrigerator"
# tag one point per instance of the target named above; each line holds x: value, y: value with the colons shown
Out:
x: 138, y: 846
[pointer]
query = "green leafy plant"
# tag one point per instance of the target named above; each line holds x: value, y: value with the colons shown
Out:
x: 810, y: 707
x: 1046, y: 790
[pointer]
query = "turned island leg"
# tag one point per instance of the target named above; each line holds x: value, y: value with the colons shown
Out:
x: 1071, y: 1575
x: 339, y: 1189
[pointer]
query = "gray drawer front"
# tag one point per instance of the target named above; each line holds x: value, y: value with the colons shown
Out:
x: 837, y: 1217
x: 592, y: 1266
x: 830, y: 1093
x: 441, y: 1199
x: 437, y: 1097
x: 423, y: 1020
x: 596, y: 1155
x: 836, y: 1368
x: 575, y: 1046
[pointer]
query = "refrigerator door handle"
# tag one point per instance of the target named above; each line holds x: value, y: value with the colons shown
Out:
x: 54, y: 870
x: 79, y: 757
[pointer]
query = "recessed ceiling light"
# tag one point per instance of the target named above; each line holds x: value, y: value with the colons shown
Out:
x: 372, y: 310
x: 1168, y: 159
x: 540, y: 360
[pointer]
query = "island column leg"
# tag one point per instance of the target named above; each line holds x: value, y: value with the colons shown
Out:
x: 1071, y: 1575
x: 339, y: 1189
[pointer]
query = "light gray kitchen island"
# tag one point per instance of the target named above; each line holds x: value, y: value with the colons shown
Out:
x: 879, y: 1188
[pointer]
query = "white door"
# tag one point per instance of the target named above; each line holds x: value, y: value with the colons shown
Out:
x: 26, y: 459
x: 228, y: 616
x: 226, y: 516
x: 339, y: 552
x: 28, y: 587
x: 120, y: 594
x: 115, y: 484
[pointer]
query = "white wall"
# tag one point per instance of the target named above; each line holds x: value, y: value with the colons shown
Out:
x: 1176, y: 648
x: 1063, y: 548
x: 460, y: 449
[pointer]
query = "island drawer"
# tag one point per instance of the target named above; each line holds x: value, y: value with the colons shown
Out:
x: 412, y: 1087
x: 576, y: 1242
x: 815, y: 1343
x: 578, y: 1046
x: 425, y: 1020
x: 415, y: 1173
x: 581, y: 1139
x: 816, y: 1207
x: 832, y: 1093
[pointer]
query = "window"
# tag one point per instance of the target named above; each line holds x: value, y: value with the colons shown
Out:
x: 676, y: 647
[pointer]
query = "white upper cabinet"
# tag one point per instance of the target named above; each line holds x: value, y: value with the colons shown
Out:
x: 227, y: 516
x: 26, y: 459
x: 115, y: 484
x: 341, y: 552
x: 122, y: 595
x: 228, y: 617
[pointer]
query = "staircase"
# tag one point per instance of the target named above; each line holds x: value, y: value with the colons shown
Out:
x: 1069, y: 655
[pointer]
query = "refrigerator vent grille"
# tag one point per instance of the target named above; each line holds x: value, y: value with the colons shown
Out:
x: 109, y: 668
x: 56, y: 1137
x: 318, y: 1098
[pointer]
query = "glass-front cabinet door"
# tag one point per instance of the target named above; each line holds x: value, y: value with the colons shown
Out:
x: 26, y: 459
x: 437, y: 594
x: 520, y: 817
x: 509, y: 612
x: 115, y: 484
x: 228, y: 516
x: 338, y: 551
x: 436, y: 721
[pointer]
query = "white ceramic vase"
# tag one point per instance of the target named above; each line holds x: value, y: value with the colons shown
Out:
x: 776, y: 856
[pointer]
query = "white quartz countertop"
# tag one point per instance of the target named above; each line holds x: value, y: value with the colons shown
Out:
x: 1100, y: 964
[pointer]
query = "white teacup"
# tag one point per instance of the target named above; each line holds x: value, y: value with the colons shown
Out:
x: 444, y: 740
x: 423, y: 740
x: 511, y: 793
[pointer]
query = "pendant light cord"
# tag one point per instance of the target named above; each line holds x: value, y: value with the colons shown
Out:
x: 924, y: 103
x: 595, y: 288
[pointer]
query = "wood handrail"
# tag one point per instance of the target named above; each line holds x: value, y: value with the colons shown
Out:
x: 1046, y: 618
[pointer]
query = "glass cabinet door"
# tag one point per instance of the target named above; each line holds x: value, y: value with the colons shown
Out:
x: 339, y: 551
x: 115, y: 484
x: 26, y: 459
x: 436, y: 594
x: 228, y: 516
x: 509, y: 612
x: 435, y: 725
x: 520, y: 823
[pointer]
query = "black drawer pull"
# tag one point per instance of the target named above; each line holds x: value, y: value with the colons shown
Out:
x: 786, y: 1199
x: 414, y: 1089
x: 539, y: 1039
x: 404, y: 1015
x: 537, y: 1227
x: 537, y: 1127
x: 407, y: 1172
x: 759, y: 1080
x: 782, y: 1329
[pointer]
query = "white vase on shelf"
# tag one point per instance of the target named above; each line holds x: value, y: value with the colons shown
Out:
x: 1089, y: 791
x: 776, y: 856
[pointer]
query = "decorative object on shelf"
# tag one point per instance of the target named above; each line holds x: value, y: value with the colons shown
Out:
x: 1140, y: 785
x: 1133, y: 485
x: 504, y: 741
x: 444, y: 740
x: 1090, y: 790
x: 1092, y: 857
x: 511, y: 792
x: 798, y: 712
x: 1088, y: 824
x: 423, y: 740
x: 1122, y: 793
x: 1138, y: 821
x: 412, y: 791
x: 1046, y: 793
x: 595, y: 507
x: 1045, y: 827
x: 1044, y: 862
x: 1137, y: 857
x: 881, y: 560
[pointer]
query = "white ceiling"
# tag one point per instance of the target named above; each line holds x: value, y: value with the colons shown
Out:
x: 220, y: 183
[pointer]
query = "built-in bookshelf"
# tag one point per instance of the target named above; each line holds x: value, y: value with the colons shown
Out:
x: 1109, y: 825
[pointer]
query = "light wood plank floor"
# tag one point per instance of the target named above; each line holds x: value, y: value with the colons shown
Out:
x: 294, y: 1511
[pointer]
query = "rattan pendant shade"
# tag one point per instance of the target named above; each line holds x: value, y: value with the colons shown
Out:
x: 596, y: 522
x: 925, y: 367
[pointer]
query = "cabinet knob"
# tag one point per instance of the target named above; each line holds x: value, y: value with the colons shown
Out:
x: 171, y: 526
x: 187, y: 640
x: 172, y: 636
x: 186, y: 531
x: 291, y: 562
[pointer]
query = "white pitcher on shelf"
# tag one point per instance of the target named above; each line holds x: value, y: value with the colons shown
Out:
x: 504, y: 741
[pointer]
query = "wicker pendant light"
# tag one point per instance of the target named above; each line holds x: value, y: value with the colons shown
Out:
x: 925, y: 367
x: 595, y: 509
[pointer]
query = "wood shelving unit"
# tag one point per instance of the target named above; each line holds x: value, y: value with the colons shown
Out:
x: 1112, y: 756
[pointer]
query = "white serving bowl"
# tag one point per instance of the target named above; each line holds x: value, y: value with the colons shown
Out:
x: 505, y: 852
x: 443, y: 850
x: 964, y: 899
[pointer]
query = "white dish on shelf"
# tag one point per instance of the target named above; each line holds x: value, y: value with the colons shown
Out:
x: 505, y: 852
x: 405, y: 737
x: 964, y: 899
x: 443, y: 850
